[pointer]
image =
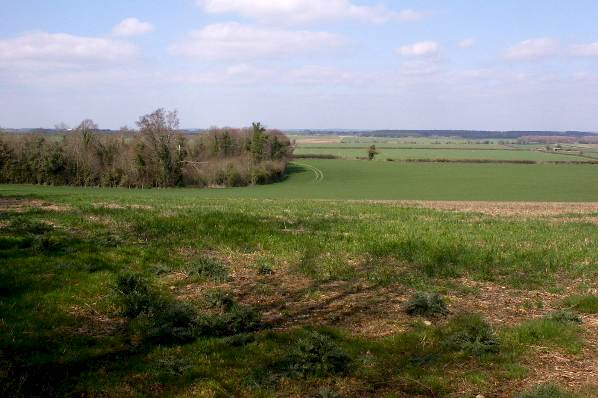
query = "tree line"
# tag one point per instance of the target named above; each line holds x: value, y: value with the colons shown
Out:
x: 154, y: 155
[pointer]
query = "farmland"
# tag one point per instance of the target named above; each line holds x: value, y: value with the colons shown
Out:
x: 308, y: 287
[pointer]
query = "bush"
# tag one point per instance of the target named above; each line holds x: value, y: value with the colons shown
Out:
x: 426, y: 304
x: 563, y: 316
x: 317, y: 354
x: 544, y: 391
x: 471, y: 335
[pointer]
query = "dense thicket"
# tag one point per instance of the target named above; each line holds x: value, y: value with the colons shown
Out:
x: 155, y: 155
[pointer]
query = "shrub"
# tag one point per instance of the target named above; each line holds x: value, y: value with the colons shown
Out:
x: 471, y: 335
x: 544, y: 391
x: 563, y: 316
x: 317, y: 354
x: 426, y: 304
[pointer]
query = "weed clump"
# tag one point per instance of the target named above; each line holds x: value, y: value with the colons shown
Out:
x: 426, y: 304
x: 219, y: 299
x: 208, y: 268
x: 471, y: 335
x: 544, y: 391
x: 173, y: 322
x: 136, y: 294
x: 168, y: 321
x: 234, y: 320
x: 563, y: 316
x: 265, y: 268
x: 317, y: 354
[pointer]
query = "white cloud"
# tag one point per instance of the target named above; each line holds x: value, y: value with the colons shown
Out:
x: 466, y: 43
x: 132, y: 27
x: 585, y: 50
x: 534, y: 49
x: 305, y: 11
x: 233, y: 40
x: 52, y: 48
x: 420, y: 49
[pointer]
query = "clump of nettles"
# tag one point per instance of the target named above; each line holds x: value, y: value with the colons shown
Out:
x: 317, y: 354
x: 426, y: 304
x: 563, y: 316
x: 471, y: 335
x: 544, y: 391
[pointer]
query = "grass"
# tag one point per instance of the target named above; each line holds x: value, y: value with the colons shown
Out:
x: 583, y: 303
x: 173, y: 293
x: 353, y: 179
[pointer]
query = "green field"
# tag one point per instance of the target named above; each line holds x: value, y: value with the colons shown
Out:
x: 354, y: 179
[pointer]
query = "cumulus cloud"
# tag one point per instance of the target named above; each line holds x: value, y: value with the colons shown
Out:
x: 585, y: 50
x: 533, y: 49
x: 466, y: 43
x: 233, y: 40
x: 132, y: 27
x: 420, y: 49
x: 305, y: 11
x: 52, y: 48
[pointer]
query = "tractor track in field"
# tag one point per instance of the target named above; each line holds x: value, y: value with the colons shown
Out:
x: 319, y: 174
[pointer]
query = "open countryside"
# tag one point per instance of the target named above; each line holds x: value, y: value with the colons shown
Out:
x: 349, y: 238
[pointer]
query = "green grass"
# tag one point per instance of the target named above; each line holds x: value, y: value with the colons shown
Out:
x: 586, y: 303
x: 353, y: 179
x: 64, y: 291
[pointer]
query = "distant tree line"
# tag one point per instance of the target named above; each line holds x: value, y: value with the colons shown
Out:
x: 154, y: 155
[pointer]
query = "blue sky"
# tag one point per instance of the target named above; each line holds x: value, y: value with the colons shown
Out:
x: 436, y: 64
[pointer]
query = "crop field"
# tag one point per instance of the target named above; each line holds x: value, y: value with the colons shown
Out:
x: 350, y: 278
x: 441, y: 148
x: 433, y: 153
x: 359, y: 180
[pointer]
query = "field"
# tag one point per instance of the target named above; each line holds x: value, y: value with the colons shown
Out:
x: 349, y: 279
x: 441, y: 148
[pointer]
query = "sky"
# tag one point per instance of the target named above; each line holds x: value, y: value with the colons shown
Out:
x: 293, y: 64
